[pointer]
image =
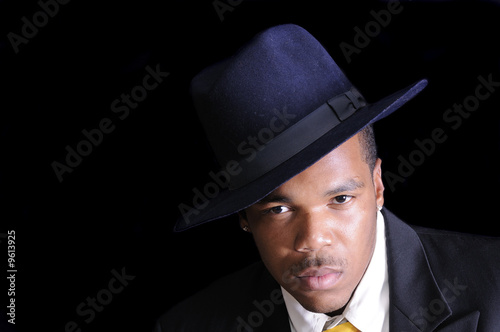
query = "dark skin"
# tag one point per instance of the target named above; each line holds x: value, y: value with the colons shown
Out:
x: 316, y: 232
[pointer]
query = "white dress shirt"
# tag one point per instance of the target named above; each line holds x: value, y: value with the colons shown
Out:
x: 368, y: 309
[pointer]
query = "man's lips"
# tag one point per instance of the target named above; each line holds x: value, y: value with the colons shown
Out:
x: 319, y: 278
x: 317, y: 271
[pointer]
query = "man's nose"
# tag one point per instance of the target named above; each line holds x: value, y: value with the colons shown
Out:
x: 314, y: 231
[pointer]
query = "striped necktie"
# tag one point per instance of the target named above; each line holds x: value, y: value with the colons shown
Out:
x: 344, y: 327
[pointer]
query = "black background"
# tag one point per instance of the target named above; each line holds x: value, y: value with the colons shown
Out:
x: 116, y: 210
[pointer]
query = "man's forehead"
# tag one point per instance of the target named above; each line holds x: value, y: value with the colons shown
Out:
x: 337, y: 188
x: 333, y: 174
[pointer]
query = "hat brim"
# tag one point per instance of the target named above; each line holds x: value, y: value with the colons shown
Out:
x: 228, y: 201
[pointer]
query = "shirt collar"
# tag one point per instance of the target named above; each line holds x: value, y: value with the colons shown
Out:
x: 368, y: 308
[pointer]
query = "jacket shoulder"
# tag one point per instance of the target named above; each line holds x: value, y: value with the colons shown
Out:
x: 460, y: 250
x: 225, y: 304
x: 454, y: 251
x: 467, y: 269
x: 464, y: 267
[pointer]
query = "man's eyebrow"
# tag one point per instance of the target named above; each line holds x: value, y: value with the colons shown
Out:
x: 345, y: 187
x: 274, y: 198
x: 350, y: 185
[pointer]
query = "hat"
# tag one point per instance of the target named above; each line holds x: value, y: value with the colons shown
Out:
x: 273, y: 109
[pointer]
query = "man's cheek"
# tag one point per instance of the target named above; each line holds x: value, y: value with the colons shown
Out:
x: 288, y: 281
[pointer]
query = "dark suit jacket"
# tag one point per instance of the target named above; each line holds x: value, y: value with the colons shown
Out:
x: 438, y: 281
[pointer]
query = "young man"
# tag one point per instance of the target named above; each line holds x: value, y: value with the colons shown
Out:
x: 299, y: 166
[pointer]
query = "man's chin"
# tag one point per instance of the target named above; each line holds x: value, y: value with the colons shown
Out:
x: 321, y: 301
x: 323, y: 307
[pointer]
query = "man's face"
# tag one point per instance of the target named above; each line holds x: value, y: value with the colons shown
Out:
x: 316, y: 233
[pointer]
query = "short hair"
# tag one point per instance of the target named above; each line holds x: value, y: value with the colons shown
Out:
x: 369, y: 147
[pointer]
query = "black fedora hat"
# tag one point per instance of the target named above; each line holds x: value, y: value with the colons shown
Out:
x: 270, y: 111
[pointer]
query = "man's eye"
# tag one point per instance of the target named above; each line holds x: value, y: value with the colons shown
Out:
x: 342, y: 199
x: 278, y: 209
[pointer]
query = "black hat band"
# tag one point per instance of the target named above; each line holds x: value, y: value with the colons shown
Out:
x: 298, y: 136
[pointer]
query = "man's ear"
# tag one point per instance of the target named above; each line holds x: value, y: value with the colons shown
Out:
x: 243, y: 220
x: 377, y: 182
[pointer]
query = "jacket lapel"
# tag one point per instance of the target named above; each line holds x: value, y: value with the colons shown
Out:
x: 465, y: 323
x: 416, y: 302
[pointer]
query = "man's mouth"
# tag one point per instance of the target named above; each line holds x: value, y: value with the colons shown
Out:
x: 319, y: 278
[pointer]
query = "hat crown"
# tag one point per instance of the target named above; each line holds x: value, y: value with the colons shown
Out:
x: 271, y: 83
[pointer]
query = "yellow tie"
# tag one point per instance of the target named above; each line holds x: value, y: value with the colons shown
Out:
x: 345, y: 327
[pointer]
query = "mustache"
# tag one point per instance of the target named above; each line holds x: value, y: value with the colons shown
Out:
x: 309, y: 262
